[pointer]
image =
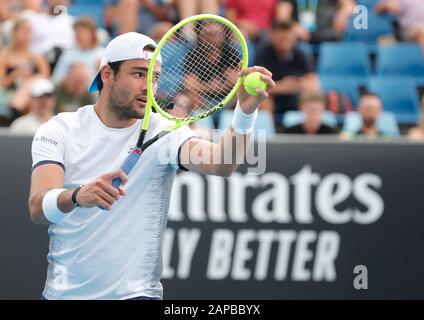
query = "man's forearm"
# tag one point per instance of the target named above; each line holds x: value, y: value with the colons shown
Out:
x: 232, y: 148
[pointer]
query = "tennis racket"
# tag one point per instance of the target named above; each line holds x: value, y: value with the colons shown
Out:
x: 201, y: 58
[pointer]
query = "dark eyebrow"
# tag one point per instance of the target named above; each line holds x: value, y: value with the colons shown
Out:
x: 156, y: 74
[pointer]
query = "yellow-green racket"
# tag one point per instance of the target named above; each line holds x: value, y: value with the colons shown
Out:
x: 201, y: 58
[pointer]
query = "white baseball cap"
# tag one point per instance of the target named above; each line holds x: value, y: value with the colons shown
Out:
x: 41, y: 87
x: 128, y: 46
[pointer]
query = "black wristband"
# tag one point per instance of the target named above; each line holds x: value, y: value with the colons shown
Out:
x: 74, y: 196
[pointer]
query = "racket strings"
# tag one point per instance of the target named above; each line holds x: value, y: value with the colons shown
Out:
x: 199, y: 69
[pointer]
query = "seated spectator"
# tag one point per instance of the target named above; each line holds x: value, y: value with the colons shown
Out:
x: 417, y: 133
x: 17, y: 63
x: 254, y: 17
x: 52, y: 30
x: 181, y: 109
x: 291, y: 69
x: 411, y: 17
x: 327, y: 20
x: 370, y: 108
x: 197, y: 72
x: 42, y: 104
x: 139, y: 15
x: 72, y: 92
x: 160, y: 29
x: 87, y: 52
x: 312, y: 104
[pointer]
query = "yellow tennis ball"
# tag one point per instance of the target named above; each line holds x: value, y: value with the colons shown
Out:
x: 252, y: 82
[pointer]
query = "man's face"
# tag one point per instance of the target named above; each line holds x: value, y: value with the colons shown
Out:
x: 128, y: 92
x: 370, y: 108
x: 313, y: 111
x: 45, y: 103
x: 283, y: 40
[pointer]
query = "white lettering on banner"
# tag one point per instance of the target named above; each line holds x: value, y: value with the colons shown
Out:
x: 303, y: 182
x: 368, y: 197
x: 220, y: 254
x: 256, y: 254
x: 271, y: 203
x: 251, y: 252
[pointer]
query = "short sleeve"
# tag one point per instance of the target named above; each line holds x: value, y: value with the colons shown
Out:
x: 176, y: 141
x: 48, y: 145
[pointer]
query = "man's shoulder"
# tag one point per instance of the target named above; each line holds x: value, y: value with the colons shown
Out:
x: 66, y: 120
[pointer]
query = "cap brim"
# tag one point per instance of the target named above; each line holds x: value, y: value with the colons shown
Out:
x: 94, y: 84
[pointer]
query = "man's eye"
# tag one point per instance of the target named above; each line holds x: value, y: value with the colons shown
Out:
x: 138, y: 74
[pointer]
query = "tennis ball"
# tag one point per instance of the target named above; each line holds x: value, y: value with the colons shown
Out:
x: 252, y: 82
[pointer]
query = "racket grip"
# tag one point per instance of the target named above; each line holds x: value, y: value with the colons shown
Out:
x: 127, y: 166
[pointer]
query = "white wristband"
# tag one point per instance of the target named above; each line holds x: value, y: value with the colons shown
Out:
x: 50, y: 207
x: 243, y: 123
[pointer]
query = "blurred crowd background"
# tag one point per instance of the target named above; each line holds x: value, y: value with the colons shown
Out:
x: 352, y: 68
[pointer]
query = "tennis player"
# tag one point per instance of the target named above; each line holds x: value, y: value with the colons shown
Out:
x: 117, y: 253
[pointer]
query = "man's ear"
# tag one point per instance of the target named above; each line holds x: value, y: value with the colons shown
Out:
x: 107, y: 74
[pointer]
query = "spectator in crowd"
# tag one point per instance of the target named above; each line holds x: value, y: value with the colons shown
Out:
x: 254, y: 17
x: 211, y: 35
x: 140, y: 15
x: 87, y: 51
x: 72, y: 92
x: 411, y: 17
x: 17, y: 63
x: 323, y: 20
x: 41, y: 103
x: 290, y: 67
x: 53, y: 30
x: 182, y: 105
x: 417, y: 133
x: 370, y: 108
x: 160, y: 29
x: 312, y: 105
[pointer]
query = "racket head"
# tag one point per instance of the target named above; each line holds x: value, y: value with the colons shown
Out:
x: 184, y: 57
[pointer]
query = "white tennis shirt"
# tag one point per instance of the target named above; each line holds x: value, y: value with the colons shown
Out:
x: 116, y: 254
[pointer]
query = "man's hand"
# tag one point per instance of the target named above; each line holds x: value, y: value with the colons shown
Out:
x: 249, y: 104
x: 100, y: 192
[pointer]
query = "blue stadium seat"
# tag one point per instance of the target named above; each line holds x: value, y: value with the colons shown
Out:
x: 367, y: 3
x: 386, y: 123
x: 402, y: 59
x: 93, y: 10
x: 344, y: 84
x: 399, y: 95
x: 348, y: 59
x: 264, y: 122
x: 378, y: 26
x: 293, y: 118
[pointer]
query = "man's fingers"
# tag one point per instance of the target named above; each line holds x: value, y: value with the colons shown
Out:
x: 103, y: 204
x: 122, y: 192
x: 269, y: 81
x: 116, y: 174
x: 262, y: 93
x: 262, y: 70
x: 106, y: 197
x: 107, y: 187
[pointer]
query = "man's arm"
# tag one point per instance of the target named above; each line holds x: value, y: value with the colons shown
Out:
x: 51, y: 176
x: 209, y: 158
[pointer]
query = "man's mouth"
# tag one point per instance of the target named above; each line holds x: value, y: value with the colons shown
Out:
x: 142, y: 99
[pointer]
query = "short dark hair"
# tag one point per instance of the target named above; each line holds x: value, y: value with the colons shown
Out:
x: 115, y: 66
x: 370, y: 94
x: 311, y: 96
x: 285, y: 25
